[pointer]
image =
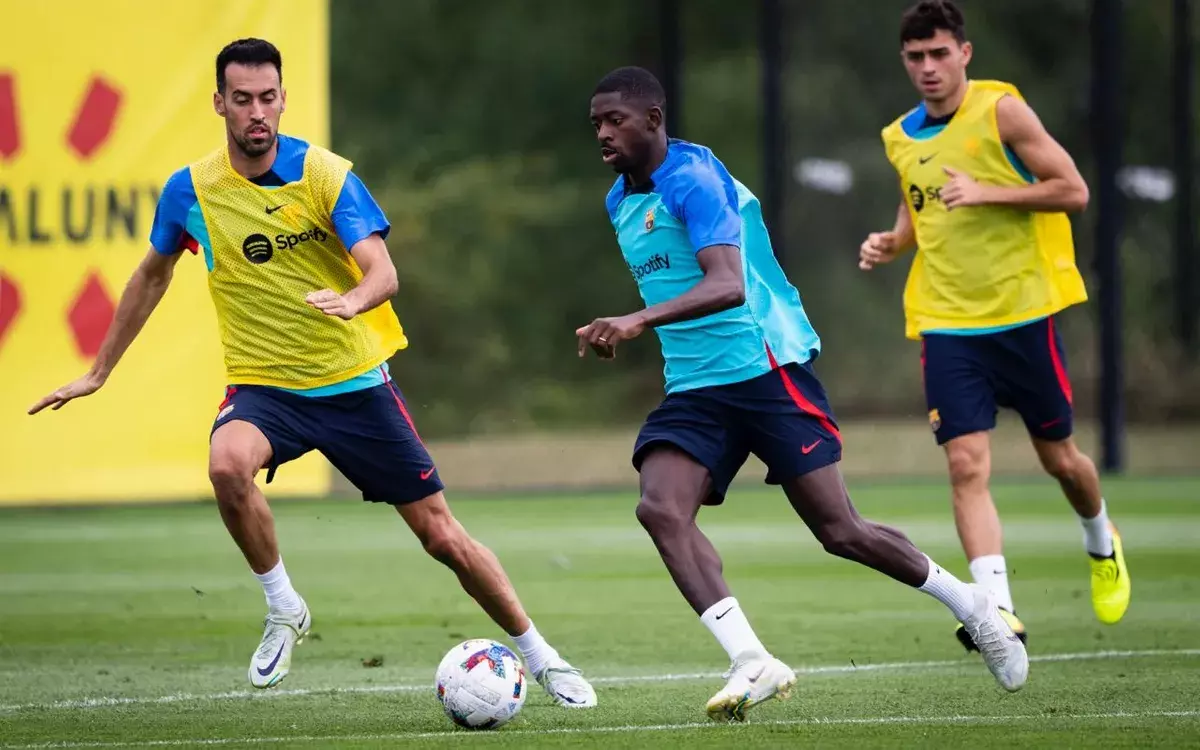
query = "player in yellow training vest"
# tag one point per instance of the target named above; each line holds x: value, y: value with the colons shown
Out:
x: 985, y: 192
x: 301, y: 280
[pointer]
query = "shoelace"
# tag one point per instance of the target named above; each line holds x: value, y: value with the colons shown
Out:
x: 733, y: 668
x: 986, y: 635
x: 574, y: 689
x: 275, y: 631
x: 270, y: 644
x: 560, y: 670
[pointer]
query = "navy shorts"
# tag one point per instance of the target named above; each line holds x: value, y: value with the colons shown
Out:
x: 367, y: 435
x: 783, y: 417
x: 968, y: 378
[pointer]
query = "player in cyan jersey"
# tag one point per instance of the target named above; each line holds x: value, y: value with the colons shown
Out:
x: 739, y: 380
x: 985, y: 195
x: 301, y: 281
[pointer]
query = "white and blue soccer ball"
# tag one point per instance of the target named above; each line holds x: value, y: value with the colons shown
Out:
x: 481, y: 684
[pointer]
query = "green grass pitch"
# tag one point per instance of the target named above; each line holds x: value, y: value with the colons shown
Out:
x: 133, y: 627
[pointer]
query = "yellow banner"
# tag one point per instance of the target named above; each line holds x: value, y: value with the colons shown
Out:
x: 93, y: 119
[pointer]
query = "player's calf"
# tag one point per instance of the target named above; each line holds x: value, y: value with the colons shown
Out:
x: 688, y: 555
x: 483, y: 578
x: 1075, y: 472
x: 822, y: 502
x: 237, y: 451
x: 478, y: 570
x: 673, y: 488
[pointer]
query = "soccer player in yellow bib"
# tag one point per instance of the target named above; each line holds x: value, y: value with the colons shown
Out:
x: 986, y: 192
x: 301, y: 280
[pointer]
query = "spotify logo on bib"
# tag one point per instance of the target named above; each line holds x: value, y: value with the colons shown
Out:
x: 915, y: 193
x: 257, y: 248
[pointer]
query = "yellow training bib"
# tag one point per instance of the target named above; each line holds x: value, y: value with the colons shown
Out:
x: 270, y: 248
x: 980, y: 266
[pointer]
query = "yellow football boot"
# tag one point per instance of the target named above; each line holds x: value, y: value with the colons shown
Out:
x: 1110, y: 583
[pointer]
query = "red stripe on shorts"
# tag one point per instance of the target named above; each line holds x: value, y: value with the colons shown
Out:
x: 1060, y: 371
x: 799, y: 399
x: 922, y: 362
x: 400, y: 404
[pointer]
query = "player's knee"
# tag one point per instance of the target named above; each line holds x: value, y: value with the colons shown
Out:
x: 658, y: 516
x: 231, y: 474
x: 448, y: 543
x: 848, y: 539
x: 967, y: 466
x: 1061, y: 461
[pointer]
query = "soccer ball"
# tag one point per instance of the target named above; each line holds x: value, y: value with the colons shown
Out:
x: 481, y: 684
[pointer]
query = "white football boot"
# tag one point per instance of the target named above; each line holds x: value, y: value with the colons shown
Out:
x: 565, y: 684
x: 1000, y: 647
x: 282, y: 633
x: 753, y: 678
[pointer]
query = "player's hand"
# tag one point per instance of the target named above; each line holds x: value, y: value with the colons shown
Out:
x: 962, y: 190
x: 85, y: 386
x: 879, y: 247
x: 603, y: 334
x: 332, y: 303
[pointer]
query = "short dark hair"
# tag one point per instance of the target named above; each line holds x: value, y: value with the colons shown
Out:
x: 248, y: 51
x: 632, y: 82
x: 927, y: 17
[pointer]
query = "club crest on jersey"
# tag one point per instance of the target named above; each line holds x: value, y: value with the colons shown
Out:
x: 935, y: 420
x: 650, y: 220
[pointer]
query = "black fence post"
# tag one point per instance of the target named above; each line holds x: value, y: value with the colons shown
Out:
x: 1107, y: 138
x: 1183, y: 121
x: 774, y: 147
x: 671, y: 64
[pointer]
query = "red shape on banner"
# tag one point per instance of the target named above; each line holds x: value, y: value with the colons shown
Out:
x: 90, y: 316
x: 10, y: 304
x: 94, y: 121
x: 10, y: 136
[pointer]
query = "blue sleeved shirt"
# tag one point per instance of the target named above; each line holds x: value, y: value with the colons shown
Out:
x: 691, y: 203
x: 179, y: 224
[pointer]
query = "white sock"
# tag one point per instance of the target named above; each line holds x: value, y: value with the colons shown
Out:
x: 991, y: 572
x: 281, y: 597
x: 728, y: 623
x: 943, y: 586
x: 537, y: 653
x: 1097, y: 537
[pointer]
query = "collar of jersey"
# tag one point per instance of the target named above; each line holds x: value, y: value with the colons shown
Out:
x: 655, y: 177
x: 288, y: 166
x: 914, y: 123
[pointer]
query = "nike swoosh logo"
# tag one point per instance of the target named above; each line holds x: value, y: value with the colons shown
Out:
x: 427, y: 474
x: 724, y: 613
x: 1051, y: 423
x: 273, y: 209
x: 271, y: 667
x: 806, y: 449
x: 926, y: 159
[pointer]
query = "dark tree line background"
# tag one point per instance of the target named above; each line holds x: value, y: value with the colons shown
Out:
x: 468, y: 120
